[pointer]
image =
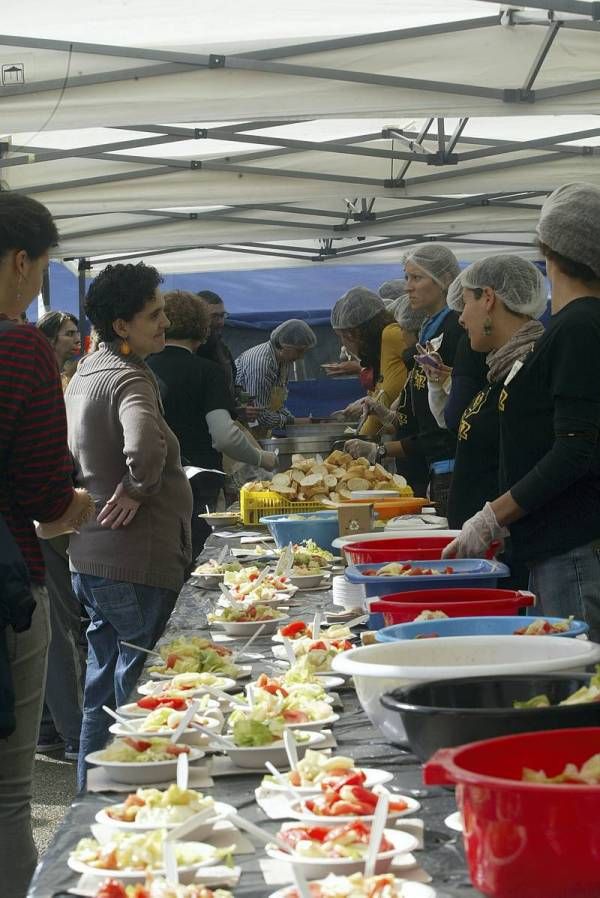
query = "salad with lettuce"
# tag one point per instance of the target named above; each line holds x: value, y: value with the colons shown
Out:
x: 142, y: 851
x: 245, y: 615
x: 182, y: 684
x: 160, y: 806
x: 385, y: 885
x: 278, y: 710
x: 130, y: 750
x: 588, y: 774
x: 249, y: 731
x: 168, y: 719
x: 213, y: 567
x: 158, y: 888
x: 589, y: 693
x: 317, y: 767
x: 196, y: 660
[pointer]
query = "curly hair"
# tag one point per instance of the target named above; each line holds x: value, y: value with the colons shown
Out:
x: 120, y: 291
x: 369, y: 341
x: 51, y: 322
x: 188, y: 315
x: 26, y: 225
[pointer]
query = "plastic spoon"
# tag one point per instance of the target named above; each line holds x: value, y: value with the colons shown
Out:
x: 222, y: 554
x: 221, y: 741
x: 377, y: 827
x: 300, y: 882
x: 316, y: 627
x: 139, y: 648
x: 250, y: 694
x: 183, y: 771
x: 229, y: 597
x: 283, y: 780
x: 357, y: 621
x: 122, y: 720
x: 290, y: 748
x: 224, y: 697
x: 289, y: 650
x: 192, y: 710
x: 170, y: 862
x: 257, y: 832
x: 244, y: 649
x: 189, y: 825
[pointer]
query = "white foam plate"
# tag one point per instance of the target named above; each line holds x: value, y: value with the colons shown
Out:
x: 409, y: 890
x: 375, y: 777
x: 204, y: 826
x: 226, y: 684
x: 245, y: 671
x: 455, y: 822
x: 299, y: 812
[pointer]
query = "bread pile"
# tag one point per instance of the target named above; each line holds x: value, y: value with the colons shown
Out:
x: 332, y: 480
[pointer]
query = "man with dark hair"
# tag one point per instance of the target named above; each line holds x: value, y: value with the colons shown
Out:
x: 215, y: 350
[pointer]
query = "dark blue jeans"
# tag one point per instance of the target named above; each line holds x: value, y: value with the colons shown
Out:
x: 117, y: 611
x: 569, y: 584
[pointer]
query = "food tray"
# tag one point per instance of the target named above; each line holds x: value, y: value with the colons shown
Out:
x: 255, y: 504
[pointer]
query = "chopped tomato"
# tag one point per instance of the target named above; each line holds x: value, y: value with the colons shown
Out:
x: 299, y: 833
x: 108, y: 860
x: 112, y: 889
x: 273, y: 687
x: 295, y: 778
x: 295, y: 629
x: 295, y: 716
x: 172, y: 660
x: 133, y: 801
x: 252, y: 577
x: 137, y: 744
x: 151, y: 702
x: 174, y: 749
x: 337, y: 779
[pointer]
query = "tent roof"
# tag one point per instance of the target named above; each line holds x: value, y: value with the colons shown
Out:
x: 449, y: 119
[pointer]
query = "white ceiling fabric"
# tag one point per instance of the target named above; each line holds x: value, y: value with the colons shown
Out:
x: 109, y: 200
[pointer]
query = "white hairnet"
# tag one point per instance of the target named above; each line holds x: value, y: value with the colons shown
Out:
x: 570, y: 223
x: 516, y: 282
x: 355, y: 307
x: 393, y: 289
x: 454, y: 298
x: 294, y: 332
x: 436, y: 260
x: 408, y: 318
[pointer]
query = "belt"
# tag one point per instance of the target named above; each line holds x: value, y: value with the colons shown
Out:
x: 442, y: 467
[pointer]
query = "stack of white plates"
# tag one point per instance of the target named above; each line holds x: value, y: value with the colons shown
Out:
x: 425, y: 521
x: 349, y: 595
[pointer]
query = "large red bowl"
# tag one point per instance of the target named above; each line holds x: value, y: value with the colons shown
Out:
x: 399, y: 548
x: 526, y: 840
x: 400, y: 607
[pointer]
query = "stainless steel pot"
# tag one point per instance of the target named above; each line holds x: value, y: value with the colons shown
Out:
x: 306, y: 439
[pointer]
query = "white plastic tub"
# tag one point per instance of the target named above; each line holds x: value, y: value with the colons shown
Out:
x: 382, y: 667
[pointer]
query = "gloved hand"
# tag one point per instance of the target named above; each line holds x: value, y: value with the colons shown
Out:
x: 355, y: 409
x: 268, y: 460
x: 477, y: 535
x: 362, y: 449
x: 386, y: 415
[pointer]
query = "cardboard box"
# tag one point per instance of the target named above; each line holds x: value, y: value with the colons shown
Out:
x: 355, y: 517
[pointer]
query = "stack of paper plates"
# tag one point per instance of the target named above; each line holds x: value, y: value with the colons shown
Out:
x: 348, y: 595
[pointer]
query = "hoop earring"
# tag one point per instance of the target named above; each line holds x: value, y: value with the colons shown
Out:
x: 125, y: 348
x: 487, y: 326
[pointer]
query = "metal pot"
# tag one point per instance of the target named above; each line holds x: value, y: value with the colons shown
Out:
x: 305, y: 439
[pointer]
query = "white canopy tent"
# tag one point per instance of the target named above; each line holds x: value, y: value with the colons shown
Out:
x: 305, y: 131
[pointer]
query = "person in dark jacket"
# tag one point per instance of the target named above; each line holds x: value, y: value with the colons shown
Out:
x: 549, y: 410
x: 16, y: 609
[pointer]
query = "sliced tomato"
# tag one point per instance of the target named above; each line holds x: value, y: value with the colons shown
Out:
x: 174, y: 749
x: 293, y: 629
x: 108, y: 860
x: 111, y: 889
x: 337, y: 779
x: 295, y: 778
x: 357, y: 793
x: 137, y: 744
x: 295, y: 716
x: 397, y: 806
x: 172, y: 660
x: 133, y: 801
x: 151, y: 702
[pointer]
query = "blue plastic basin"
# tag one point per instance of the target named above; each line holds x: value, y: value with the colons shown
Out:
x: 471, y: 626
x: 320, y: 526
x: 467, y: 572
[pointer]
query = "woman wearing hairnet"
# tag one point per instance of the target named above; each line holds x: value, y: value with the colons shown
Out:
x: 550, y: 425
x: 263, y: 371
x: 420, y: 442
x: 362, y: 322
x: 499, y: 299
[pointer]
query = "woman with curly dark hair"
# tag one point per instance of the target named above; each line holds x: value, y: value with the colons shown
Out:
x: 129, y: 565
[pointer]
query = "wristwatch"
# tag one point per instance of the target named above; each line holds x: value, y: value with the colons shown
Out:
x: 381, y: 453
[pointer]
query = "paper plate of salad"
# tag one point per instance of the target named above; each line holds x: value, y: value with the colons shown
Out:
x: 149, y: 703
x: 299, y: 629
x: 317, y: 769
x: 158, y: 888
x: 348, y: 803
x: 189, y: 684
x: 195, y: 661
x: 133, y: 855
x: 359, y: 886
x: 255, y: 742
x: 247, y: 620
x: 303, y: 708
x: 148, y: 809
x: 141, y: 760
x: 163, y: 722
x: 342, y: 849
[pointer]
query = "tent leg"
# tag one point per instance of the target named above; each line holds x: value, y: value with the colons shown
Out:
x: 84, y: 327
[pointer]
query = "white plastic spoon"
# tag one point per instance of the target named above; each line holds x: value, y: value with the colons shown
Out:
x: 256, y: 831
x: 189, y: 825
x: 183, y: 771
x: 170, y: 862
x: 289, y: 651
x: 139, y: 648
x: 221, y: 741
x: 191, y: 712
x: 316, y: 627
x: 224, y: 697
x: 122, y: 720
x: 290, y: 748
x: 300, y: 882
x: 377, y: 827
x: 283, y: 780
x: 244, y: 649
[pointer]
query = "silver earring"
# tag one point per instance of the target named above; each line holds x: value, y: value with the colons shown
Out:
x: 487, y: 326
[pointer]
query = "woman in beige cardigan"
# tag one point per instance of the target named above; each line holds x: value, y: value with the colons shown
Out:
x: 128, y: 566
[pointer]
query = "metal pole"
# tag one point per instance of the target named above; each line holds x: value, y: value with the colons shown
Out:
x: 84, y: 327
x: 46, y: 289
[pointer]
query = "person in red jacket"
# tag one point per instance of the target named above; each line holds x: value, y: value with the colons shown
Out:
x: 35, y: 485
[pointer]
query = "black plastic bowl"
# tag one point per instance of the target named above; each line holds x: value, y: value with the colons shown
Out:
x: 445, y: 713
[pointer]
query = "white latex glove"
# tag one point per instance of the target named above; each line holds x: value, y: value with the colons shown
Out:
x: 355, y: 409
x: 362, y: 449
x: 477, y: 535
x: 382, y: 412
x: 268, y: 460
x: 119, y: 510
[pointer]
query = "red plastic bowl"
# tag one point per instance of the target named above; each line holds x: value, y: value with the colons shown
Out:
x: 408, y: 548
x: 400, y: 607
x: 526, y: 840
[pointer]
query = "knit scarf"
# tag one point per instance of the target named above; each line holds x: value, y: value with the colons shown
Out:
x: 500, y: 361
